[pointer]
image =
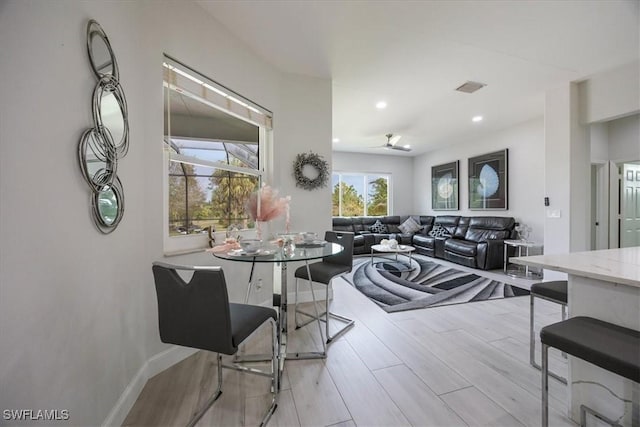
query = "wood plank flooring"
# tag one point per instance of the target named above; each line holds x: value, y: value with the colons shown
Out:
x: 457, y: 365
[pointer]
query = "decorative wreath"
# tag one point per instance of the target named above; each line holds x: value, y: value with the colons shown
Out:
x: 318, y: 163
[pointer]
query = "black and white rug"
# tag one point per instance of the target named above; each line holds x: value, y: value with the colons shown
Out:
x: 429, y: 284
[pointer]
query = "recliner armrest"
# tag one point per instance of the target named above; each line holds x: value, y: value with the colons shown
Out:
x: 491, y: 254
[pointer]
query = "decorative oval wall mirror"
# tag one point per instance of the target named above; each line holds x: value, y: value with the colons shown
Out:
x: 103, y: 61
x: 101, y: 146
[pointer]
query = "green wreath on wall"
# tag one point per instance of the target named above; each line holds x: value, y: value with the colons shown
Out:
x: 320, y: 167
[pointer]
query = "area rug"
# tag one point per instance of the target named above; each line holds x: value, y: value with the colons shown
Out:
x: 428, y: 284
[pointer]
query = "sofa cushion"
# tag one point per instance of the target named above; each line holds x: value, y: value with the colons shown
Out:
x: 423, y: 240
x: 409, y: 226
x: 392, y: 223
x: 362, y: 223
x: 342, y: 224
x: 438, y: 231
x: 461, y: 247
x: 450, y: 222
x: 378, y: 227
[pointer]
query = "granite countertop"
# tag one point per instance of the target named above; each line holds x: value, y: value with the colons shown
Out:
x: 610, y: 265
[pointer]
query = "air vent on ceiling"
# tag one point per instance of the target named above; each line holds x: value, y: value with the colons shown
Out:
x: 470, y: 87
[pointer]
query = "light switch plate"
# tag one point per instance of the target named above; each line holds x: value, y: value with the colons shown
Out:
x: 554, y: 213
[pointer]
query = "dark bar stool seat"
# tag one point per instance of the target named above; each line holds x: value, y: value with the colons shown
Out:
x: 556, y: 292
x: 603, y: 344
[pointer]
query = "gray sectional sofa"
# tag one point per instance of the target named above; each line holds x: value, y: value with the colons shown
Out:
x: 475, y: 242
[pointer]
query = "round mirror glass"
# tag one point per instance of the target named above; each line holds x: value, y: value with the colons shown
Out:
x: 110, y: 113
x: 112, y: 116
x: 103, y: 61
x: 107, y: 205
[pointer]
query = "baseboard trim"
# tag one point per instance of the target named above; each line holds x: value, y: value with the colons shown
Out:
x: 151, y: 367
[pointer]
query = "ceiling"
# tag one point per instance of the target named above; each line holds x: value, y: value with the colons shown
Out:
x: 413, y: 55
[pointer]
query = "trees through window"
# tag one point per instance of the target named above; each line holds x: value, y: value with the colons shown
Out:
x: 357, y: 194
x: 214, y: 139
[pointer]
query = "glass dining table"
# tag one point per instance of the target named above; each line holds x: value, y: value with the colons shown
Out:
x: 280, y: 258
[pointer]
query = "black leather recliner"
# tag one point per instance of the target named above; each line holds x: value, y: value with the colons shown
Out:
x: 434, y: 246
x: 478, y: 242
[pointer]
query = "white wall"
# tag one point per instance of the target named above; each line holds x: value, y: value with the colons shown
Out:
x: 616, y: 140
x: 400, y: 168
x: 526, y: 174
x: 599, y: 140
x: 624, y: 139
x: 611, y: 94
x: 77, y: 309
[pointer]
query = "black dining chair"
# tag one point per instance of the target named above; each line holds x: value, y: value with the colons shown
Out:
x: 198, y: 314
x: 322, y: 273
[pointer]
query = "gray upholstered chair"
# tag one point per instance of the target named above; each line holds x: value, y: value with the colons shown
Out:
x: 322, y: 273
x: 556, y: 292
x: 198, y: 314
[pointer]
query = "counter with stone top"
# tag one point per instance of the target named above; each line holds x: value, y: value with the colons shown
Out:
x: 603, y: 284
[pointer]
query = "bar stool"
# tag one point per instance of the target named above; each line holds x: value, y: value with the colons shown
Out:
x: 608, y: 346
x: 551, y: 291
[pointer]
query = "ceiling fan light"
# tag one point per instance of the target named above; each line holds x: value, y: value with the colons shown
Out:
x: 407, y: 146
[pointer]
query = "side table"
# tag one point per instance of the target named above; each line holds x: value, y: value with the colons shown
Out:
x: 524, y: 248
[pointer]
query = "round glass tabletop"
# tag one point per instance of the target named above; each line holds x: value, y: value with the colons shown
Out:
x: 272, y: 253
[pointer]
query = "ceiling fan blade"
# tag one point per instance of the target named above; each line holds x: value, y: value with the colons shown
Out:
x: 394, y: 139
x: 399, y: 147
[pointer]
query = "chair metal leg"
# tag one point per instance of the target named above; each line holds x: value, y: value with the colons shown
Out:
x: 532, y: 335
x: 532, y: 341
x: 212, y: 399
x: 349, y: 322
x: 584, y: 410
x: 564, y: 317
x: 315, y: 308
x: 545, y: 385
x: 635, y: 405
x: 275, y: 374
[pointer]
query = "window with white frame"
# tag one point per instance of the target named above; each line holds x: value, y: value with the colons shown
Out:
x: 357, y: 194
x: 214, y: 144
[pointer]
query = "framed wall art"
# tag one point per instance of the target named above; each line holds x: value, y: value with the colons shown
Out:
x: 488, y: 181
x: 444, y: 187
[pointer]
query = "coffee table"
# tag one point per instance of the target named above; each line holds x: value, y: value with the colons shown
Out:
x: 397, y: 265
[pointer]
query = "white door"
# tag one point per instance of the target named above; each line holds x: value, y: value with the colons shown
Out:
x: 630, y: 206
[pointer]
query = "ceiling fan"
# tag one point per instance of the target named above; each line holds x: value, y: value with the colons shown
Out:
x: 392, y: 143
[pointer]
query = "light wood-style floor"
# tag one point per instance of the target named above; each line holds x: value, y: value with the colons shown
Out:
x: 458, y: 365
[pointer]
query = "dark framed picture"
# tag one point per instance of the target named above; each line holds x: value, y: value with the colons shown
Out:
x: 444, y: 187
x: 488, y: 181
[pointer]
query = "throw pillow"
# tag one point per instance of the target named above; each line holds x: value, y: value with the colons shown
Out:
x: 409, y: 226
x: 438, y: 231
x: 378, y: 227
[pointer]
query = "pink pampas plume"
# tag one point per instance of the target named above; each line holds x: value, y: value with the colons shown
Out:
x: 265, y: 205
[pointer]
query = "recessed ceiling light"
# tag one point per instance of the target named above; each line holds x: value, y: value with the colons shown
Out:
x: 381, y: 105
x: 476, y: 119
x: 336, y: 139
